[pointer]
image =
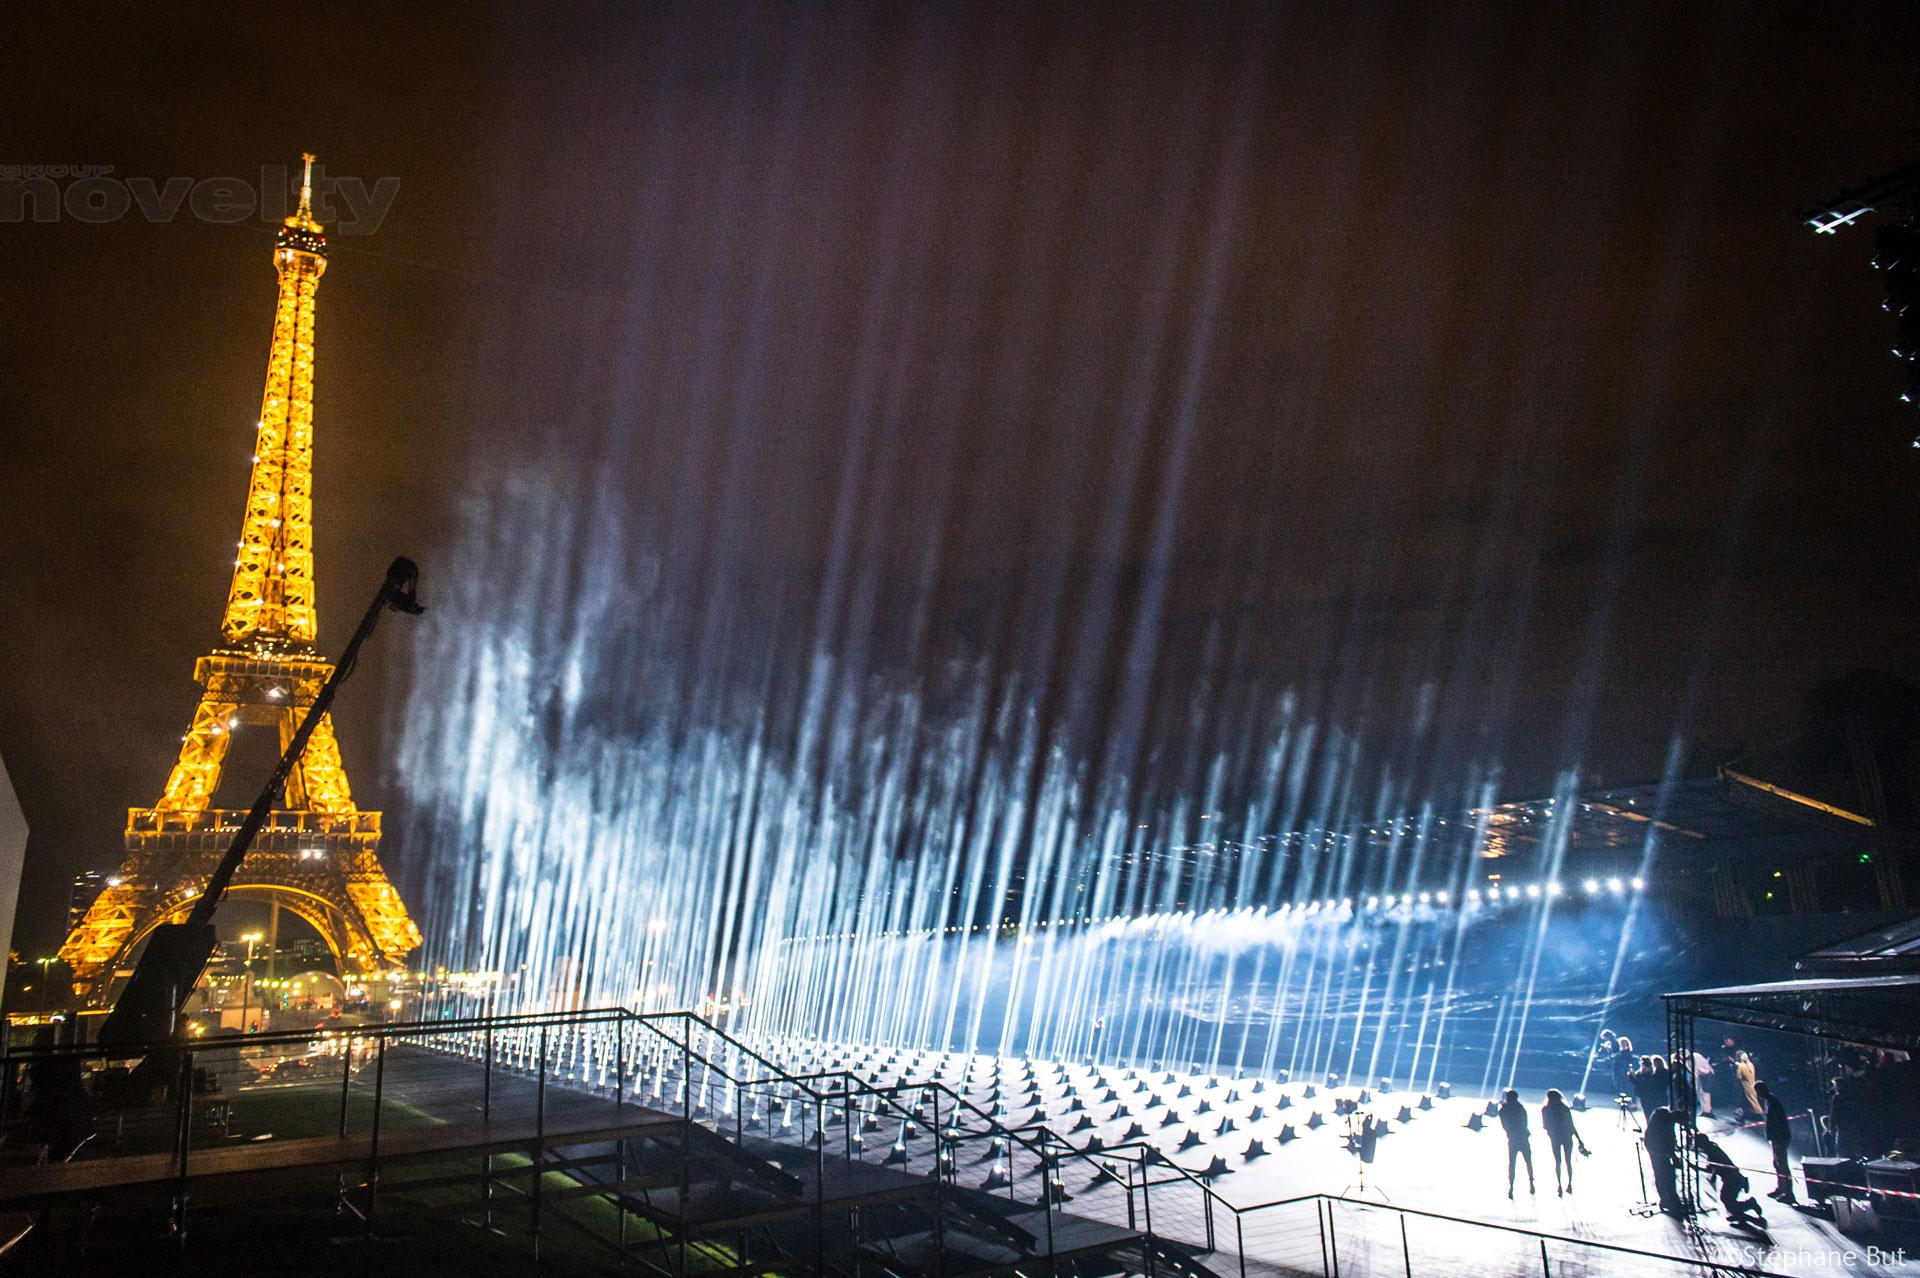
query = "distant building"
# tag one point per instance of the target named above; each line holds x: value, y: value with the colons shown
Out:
x: 304, y: 954
x: 86, y: 885
x: 13, y: 853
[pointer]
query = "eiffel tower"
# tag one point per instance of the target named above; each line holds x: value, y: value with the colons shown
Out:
x: 317, y: 856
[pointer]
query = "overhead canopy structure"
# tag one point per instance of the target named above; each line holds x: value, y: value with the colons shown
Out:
x: 1729, y: 813
x: 1878, y: 1011
x: 1864, y: 988
x: 1882, y: 950
x: 1731, y: 842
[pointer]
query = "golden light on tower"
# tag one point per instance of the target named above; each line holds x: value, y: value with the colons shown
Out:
x: 318, y: 855
x: 271, y: 598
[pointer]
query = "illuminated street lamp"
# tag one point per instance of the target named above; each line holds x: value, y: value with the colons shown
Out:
x: 46, y: 986
x: 246, y: 976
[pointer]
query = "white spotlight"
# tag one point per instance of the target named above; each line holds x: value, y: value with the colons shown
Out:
x: 1441, y: 896
x: 1639, y: 884
x: 1533, y: 891
x: 1615, y: 886
x: 1590, y: 886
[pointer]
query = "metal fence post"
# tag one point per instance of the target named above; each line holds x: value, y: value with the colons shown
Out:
x: 486, y: 1117
x: 686, y: 1081
x: 346, y: 1077
x: 183, y: 1137
x: 539, y: 1134
x: 1240, y: 1241
x: 939, y: 1195
x: 1333, y: 1239
x: 1146, y: 1207
x: 1320, y: 1219
x: 686, y: 1130
x: 1406, y: 1252
x: 1545, y: 1272
x: 819, y: 1185
x: 1046, y: 1187
x: 373, y: 1148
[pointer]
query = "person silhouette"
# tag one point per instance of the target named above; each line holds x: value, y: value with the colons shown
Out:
x: 1513, y: 1121
x: 1556, y: 1119
x: 1663, y: 1152
x: 1780, y: 1137
x: 1731, y: 1182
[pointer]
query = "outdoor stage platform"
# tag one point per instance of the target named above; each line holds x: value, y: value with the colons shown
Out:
x: 523, y: 1143
x: 1431, y: 1175
x: 928, y: 1164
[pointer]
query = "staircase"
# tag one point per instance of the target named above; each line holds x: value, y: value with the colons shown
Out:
x: 772, y: 1172
x: 644, y: 1139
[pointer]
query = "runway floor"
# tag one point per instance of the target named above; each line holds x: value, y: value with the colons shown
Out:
x: 1430, y: 1161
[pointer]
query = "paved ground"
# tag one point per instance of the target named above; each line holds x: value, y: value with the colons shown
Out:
x: 1431, y: 1162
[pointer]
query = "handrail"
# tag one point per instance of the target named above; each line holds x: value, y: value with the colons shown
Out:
x: 1151, y: 1156
x: 1049, y: 1151
x: 1050, y: 1148
x: 782, y: 1077
x: 277, y: 1038
x: 1047, y: 1155
x: 1537, y: 1234
x: 646, y: 1018
x: 711, y: 1028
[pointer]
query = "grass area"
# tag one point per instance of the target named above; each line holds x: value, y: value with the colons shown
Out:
x: 284, y: 1111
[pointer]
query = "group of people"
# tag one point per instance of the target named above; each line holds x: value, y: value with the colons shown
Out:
x: 1664, y: 1094
x: 1662, y: 1140
x: 1873, y: 1102
x: 1556, y: 1119
x: 1732, y: 1084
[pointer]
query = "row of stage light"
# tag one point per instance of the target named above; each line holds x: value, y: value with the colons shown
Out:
x: 1329, y: 907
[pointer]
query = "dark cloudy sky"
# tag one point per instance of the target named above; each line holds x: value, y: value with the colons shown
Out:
x: 1482, y: 347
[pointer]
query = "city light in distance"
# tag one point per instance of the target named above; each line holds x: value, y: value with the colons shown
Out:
x: 1348, y: 907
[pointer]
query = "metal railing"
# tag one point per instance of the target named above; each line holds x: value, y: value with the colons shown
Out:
x: 194, y: 1094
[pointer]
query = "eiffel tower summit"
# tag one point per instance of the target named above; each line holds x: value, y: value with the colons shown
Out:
x: 318, y: 855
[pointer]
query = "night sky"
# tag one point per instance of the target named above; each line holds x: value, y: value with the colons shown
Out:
x: 1450, y: 362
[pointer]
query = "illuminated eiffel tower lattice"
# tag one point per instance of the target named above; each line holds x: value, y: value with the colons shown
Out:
x: 317, y: 856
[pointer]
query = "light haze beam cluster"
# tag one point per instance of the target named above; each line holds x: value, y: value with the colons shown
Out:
x: 954, y: 479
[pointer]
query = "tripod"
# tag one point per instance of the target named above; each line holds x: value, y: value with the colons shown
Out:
x: 1629, y: 1123
x: 1362, y: 1141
